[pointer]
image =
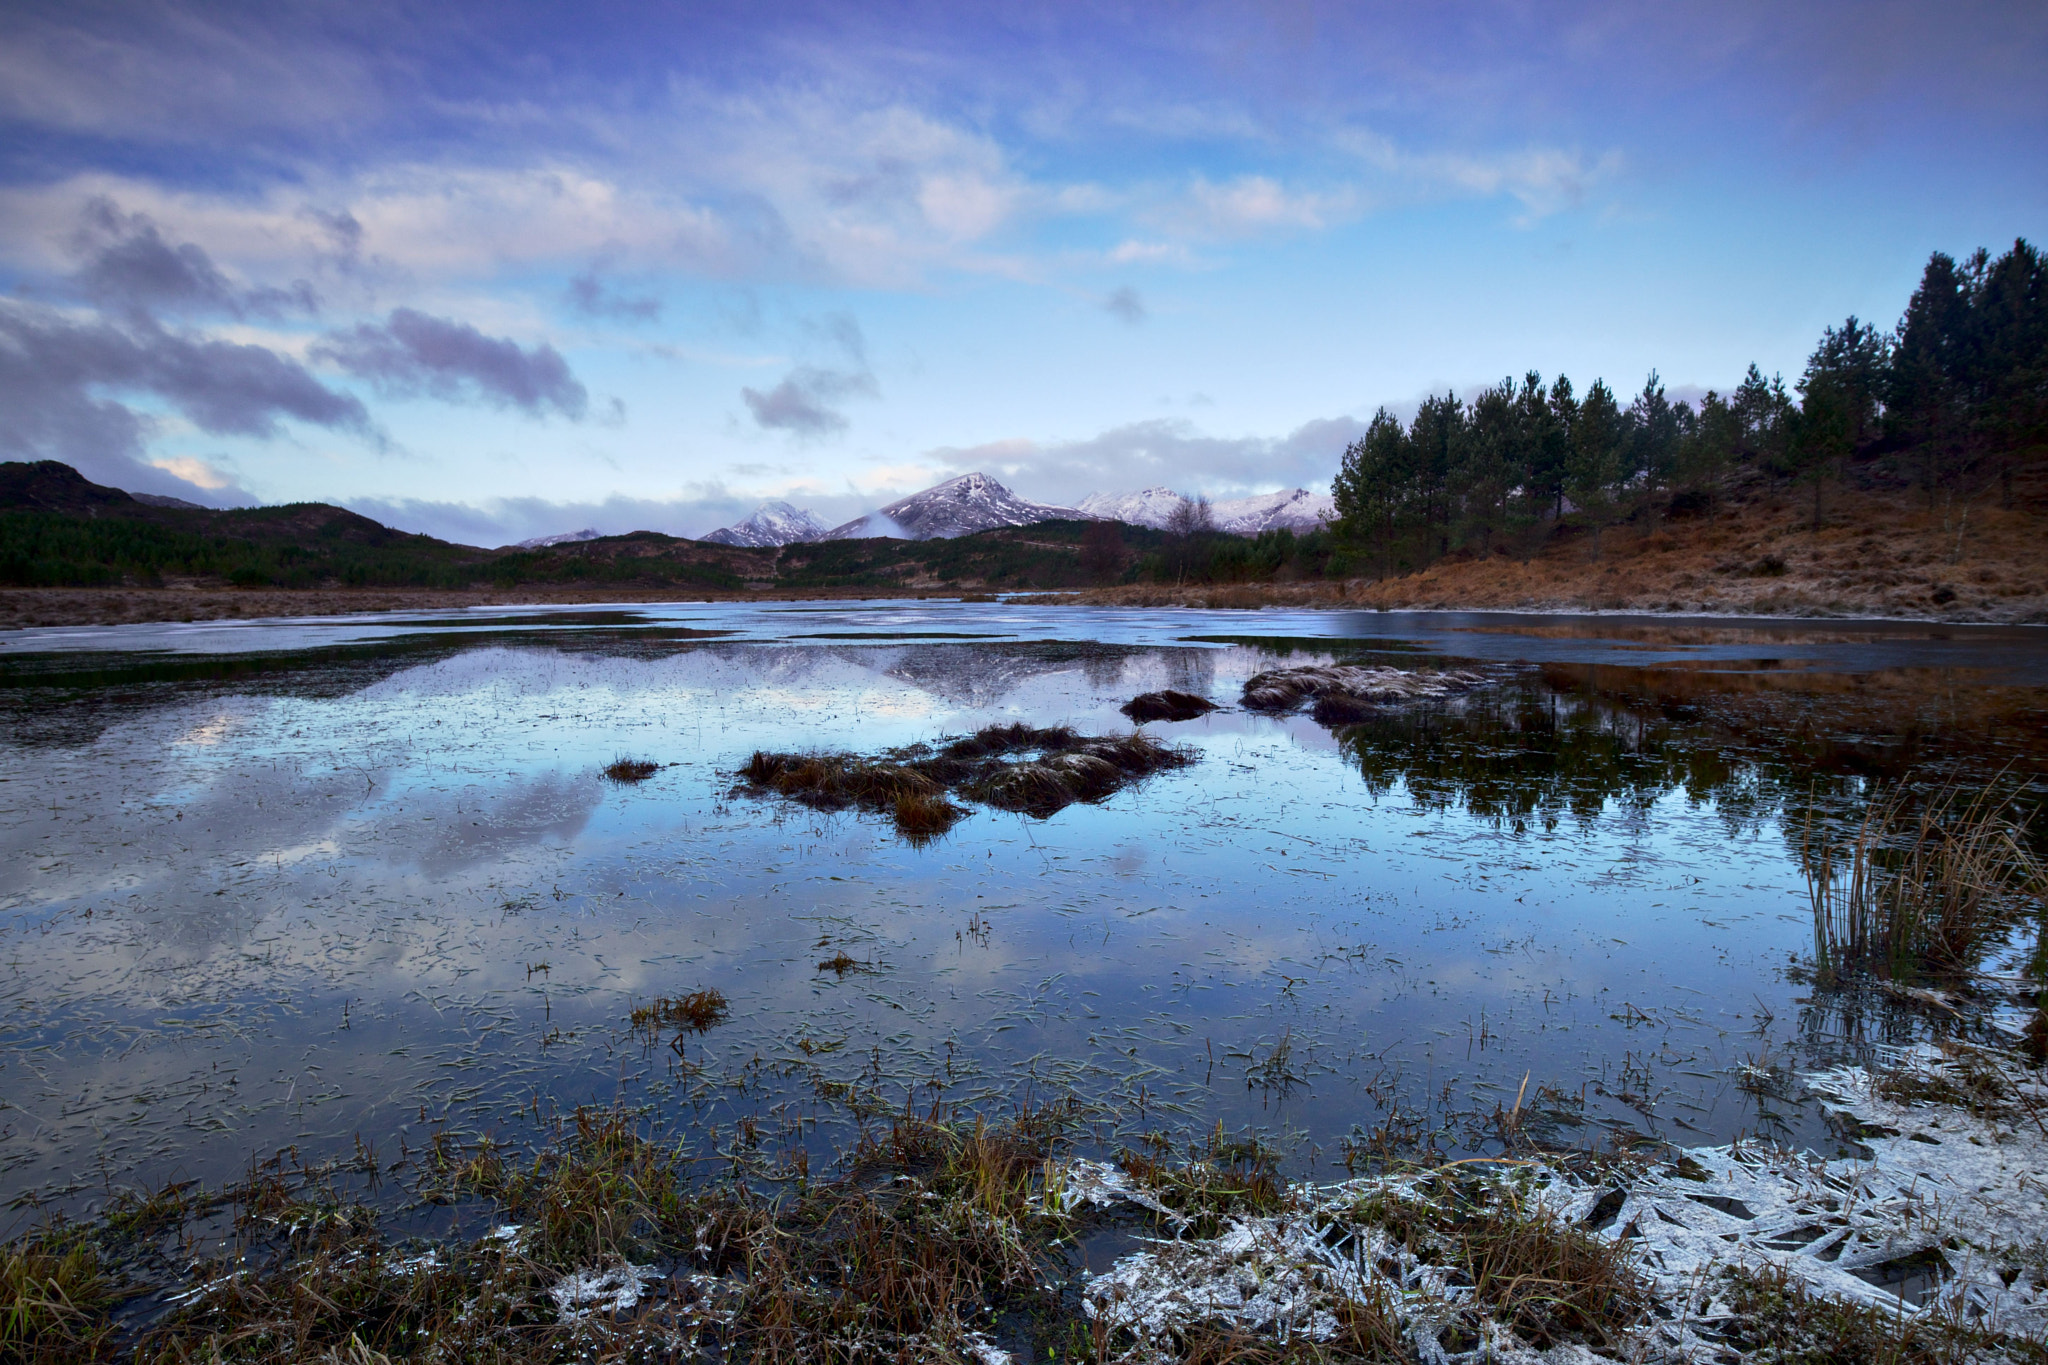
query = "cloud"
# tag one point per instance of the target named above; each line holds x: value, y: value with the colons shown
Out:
x: 1253, y: 204
x: 58, y: 375
x: 1545, y: 180
x: 413, y: 353
x: 802, y: 403
x: 590, y: 296
x: 1125, y: 305
x: 805, y: 402
x: 127, y: 263
x: 697, y: 511
x: 1167, y: 451
x: 196, y: 472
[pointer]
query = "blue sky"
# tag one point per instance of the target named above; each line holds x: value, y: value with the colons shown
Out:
x: 494, y: 271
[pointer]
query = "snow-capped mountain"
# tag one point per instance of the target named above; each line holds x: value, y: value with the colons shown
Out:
x: 565, y: 538
x: 1146, y: 507
x: 773, y: 523
x: 957, y: 507
x: 1297, y: 509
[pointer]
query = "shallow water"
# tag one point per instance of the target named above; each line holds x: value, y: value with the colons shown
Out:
x: 296, y: 884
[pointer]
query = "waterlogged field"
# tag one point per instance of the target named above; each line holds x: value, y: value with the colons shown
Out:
x: 357, y: 893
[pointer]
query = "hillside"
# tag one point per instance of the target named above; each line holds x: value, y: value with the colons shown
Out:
x: 1879, y: 553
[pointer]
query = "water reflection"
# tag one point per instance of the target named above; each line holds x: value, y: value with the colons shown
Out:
x: 291, y: 905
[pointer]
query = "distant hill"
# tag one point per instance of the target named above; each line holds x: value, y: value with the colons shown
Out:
x: 957, y: 507
x: 59, y: 529
x: 562, y: 538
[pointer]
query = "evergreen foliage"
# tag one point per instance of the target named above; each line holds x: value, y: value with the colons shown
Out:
x: 1955, y: 398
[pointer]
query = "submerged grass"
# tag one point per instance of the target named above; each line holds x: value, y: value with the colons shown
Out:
x: 1926, y: 886
x: 1028, y: 769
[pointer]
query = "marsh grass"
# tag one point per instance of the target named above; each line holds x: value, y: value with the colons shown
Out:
x: 1926, y: 886
x: 1777, y: 1319
x: 1167, y: 704
x: 1031, y: 770
x: 697, y: 1012
x: 53, y: 1297
x: 1550, y: 1280
x: 933, y: 1239
x: 631, y: 769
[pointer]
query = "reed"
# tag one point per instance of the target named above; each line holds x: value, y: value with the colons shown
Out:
x: 1924, y: 885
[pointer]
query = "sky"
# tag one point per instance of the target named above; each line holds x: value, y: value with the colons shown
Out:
x: 495, y: 271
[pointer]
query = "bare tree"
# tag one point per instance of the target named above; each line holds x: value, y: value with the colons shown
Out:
x: 1190, y: 517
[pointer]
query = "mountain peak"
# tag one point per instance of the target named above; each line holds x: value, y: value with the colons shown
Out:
x: 774, y: 522
x: 960, y: 506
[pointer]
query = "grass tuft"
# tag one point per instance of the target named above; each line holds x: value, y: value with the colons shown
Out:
x: 1030, y: 770
x: 1168, y: 704
x: 697, y: 1011
x: 631, y: 769
x: 53, y: 1298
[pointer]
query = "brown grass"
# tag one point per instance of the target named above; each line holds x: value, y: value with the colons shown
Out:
x: 631, y: 769
x: 1168, y: 705
x: 697, y: 1011
x: 53, y: 1298
x: 1877, y: 554
x: 1034, y: 771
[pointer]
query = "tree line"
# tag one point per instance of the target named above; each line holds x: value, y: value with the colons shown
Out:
x: 1952, y: 400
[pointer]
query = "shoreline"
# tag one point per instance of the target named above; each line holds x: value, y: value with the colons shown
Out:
x: 25, y: 608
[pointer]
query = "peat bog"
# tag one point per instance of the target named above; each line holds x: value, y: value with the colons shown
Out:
x: 811, y: 991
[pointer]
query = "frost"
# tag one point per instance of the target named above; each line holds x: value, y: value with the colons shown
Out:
x: 1947, y: 1216
x: 1282, y: 689
x: 581, y: 1293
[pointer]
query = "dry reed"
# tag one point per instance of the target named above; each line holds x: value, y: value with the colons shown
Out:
x: 1925, y: 885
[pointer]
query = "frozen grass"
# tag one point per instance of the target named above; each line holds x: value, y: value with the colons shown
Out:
x: 952, y: 1242
x: 1347, y: 693
x: 1032, y: 770
x: 1926, y: 886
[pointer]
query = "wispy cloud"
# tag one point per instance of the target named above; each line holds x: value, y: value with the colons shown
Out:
x: 1173, y: 452
x: 412, y: 353
x: 806, y: 404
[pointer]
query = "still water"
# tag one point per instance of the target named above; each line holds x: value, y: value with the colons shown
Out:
x: 328, y: 886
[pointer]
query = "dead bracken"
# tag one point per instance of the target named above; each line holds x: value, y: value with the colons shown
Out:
x: 1346, y: 693
x: 1167, y: 704
x: 1032, y: 770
